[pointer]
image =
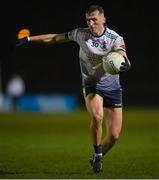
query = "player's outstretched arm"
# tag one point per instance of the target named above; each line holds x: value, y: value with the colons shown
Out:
x: 44, y: 38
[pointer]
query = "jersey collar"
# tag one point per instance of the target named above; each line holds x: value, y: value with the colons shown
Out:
x: 101, y: 34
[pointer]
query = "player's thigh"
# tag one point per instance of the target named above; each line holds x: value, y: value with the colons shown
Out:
x: 114, y: 120
x: 94, y: 104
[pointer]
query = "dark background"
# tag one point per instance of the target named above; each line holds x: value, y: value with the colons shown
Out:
x: 55, y: 68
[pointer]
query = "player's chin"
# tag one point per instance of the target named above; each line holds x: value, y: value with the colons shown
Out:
x: 94, y: 32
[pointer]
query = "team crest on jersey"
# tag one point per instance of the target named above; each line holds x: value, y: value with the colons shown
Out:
x: 104, y: 45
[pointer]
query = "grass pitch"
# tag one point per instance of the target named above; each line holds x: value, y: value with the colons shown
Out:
x: 58, y: 146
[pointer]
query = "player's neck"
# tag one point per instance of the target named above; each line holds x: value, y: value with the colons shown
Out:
x: 100, y: 32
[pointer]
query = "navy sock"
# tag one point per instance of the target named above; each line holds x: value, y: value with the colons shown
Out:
x: 98, y: 149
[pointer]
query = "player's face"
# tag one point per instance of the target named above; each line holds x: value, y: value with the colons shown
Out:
x: 95, y: 22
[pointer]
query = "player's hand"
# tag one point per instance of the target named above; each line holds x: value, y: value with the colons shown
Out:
x: 22, y: 41
x: 125, y: 65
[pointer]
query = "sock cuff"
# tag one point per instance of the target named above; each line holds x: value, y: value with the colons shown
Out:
x: 98, y: 149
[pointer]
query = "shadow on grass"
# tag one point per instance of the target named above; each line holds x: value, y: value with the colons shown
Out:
x: 7, y: 173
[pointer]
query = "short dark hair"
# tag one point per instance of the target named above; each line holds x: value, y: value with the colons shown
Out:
x: 93, y: 8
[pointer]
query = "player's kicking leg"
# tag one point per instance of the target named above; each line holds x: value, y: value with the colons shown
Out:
x: 113, y: 128
x: 94, y: 104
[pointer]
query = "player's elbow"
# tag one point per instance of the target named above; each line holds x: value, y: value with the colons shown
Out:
x: 49, y: 38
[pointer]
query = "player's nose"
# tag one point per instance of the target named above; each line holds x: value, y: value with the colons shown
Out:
x: 91, y: 23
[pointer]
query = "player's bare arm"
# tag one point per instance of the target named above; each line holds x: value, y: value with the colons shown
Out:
x: 123, y: 53
x: 44, y: 38
x: 49, y: 38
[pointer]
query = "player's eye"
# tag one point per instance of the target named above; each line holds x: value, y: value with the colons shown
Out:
x: 91, y: 20
x: 94, y: 19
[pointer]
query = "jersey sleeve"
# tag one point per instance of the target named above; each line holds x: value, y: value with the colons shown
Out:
x: 119, y: 44
x: 72, y: 35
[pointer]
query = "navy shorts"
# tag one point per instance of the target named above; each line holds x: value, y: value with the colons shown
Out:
x: 111, y: 99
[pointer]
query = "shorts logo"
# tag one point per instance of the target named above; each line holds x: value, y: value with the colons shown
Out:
x: 117, y: 104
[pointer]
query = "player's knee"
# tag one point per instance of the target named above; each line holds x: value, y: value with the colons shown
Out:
x: 115, y: 137
x: 98, y: 118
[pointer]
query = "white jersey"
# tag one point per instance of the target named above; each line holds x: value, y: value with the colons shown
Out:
x: 92, y: 49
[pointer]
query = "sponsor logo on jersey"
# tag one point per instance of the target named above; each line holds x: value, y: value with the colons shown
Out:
x: 111, y: 36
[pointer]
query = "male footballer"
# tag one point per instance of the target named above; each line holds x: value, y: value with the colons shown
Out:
x: 102, y: 91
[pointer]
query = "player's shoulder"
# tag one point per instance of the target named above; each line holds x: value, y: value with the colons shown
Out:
x: 110, y: 33
x: 83, y: 30
x: 80, y: 31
